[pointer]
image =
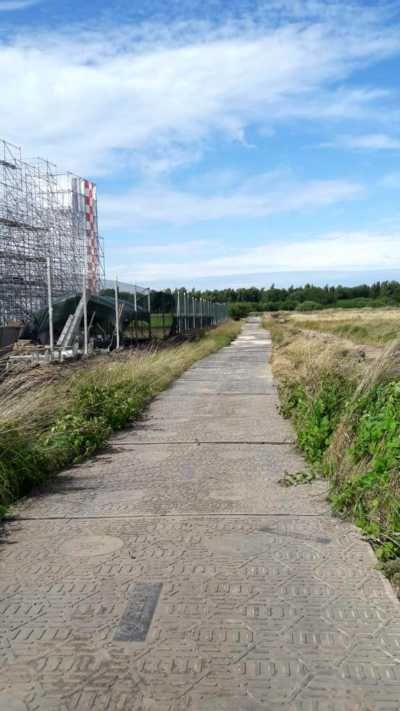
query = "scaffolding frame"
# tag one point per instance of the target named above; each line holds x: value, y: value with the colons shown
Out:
x: 44, y: 215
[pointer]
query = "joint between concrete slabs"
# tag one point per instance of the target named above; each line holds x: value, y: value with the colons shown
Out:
x: 261, y: 442
x: 189, y: 514
x: 205, y: 394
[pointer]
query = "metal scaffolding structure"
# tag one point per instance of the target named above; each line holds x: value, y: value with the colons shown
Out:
x: 44, y: 215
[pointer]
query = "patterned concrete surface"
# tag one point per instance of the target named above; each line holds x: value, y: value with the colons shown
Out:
x: 173, y: 573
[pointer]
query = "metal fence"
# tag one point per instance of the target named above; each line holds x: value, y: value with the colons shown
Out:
x: 162, y: 314
x: 119, y: 315
x: 122, y: 316
x: 193, y: 313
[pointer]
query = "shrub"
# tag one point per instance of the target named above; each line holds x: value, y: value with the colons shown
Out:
x: 308, y: 306
x: 240, y: 309
x: 364, y: 302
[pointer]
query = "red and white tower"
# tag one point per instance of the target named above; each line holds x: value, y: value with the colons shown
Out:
x: 92, y: 236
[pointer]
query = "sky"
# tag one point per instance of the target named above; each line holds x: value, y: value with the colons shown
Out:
x: 232, y: 142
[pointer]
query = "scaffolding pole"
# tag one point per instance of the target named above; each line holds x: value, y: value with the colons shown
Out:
x: 50, y: 300
x: 85, y: 315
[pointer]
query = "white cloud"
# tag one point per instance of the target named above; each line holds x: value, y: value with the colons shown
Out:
x: 343, y: 250
x: 391, y: 181
x: 369, y: 141
x: 11, y: 5
x: 171, y: 249
x: 98, y: 100
x: 351, y: 251
x: 262, y: 195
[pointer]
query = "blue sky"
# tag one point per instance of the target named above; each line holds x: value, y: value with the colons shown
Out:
x: 232, y: 143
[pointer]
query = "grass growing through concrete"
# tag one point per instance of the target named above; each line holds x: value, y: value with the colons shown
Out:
x: 346, y: 413
x: 50, y: 426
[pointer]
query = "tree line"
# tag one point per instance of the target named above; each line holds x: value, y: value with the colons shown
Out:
x: 306, y: 298
x: 295, y: 298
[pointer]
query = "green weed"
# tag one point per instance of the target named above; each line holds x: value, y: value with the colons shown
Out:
x: 316, y: 412
x: 297, y: 478
x: 372, y: 494
x: 72, y: 438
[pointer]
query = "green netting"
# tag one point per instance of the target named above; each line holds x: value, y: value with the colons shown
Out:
x: 101, y: 312
x: 171, y: 314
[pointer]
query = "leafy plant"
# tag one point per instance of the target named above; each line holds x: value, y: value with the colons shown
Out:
x: 72, y: 438
x: 115, y: 403
x: 316, y: 412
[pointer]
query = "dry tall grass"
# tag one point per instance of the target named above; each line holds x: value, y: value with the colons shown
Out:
x: 299, y: 357
x: 362, y: 326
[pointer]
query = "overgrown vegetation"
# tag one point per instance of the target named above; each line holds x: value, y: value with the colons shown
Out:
x: 365, y: 473
x: 51, y: 426
x: 347, y: 417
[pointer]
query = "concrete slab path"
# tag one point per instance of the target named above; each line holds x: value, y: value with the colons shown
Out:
x: 173, y: 572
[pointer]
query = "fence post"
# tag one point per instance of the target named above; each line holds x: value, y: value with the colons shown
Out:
x: 135, y: 308
x: 116, y: 314
x: 163, y: 314
x: 149, y: 309
x: 186, y: 310
x: 178, y: 308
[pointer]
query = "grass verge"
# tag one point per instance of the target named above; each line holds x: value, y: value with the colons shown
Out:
x: 54, y: 425
x: 347, y: 419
